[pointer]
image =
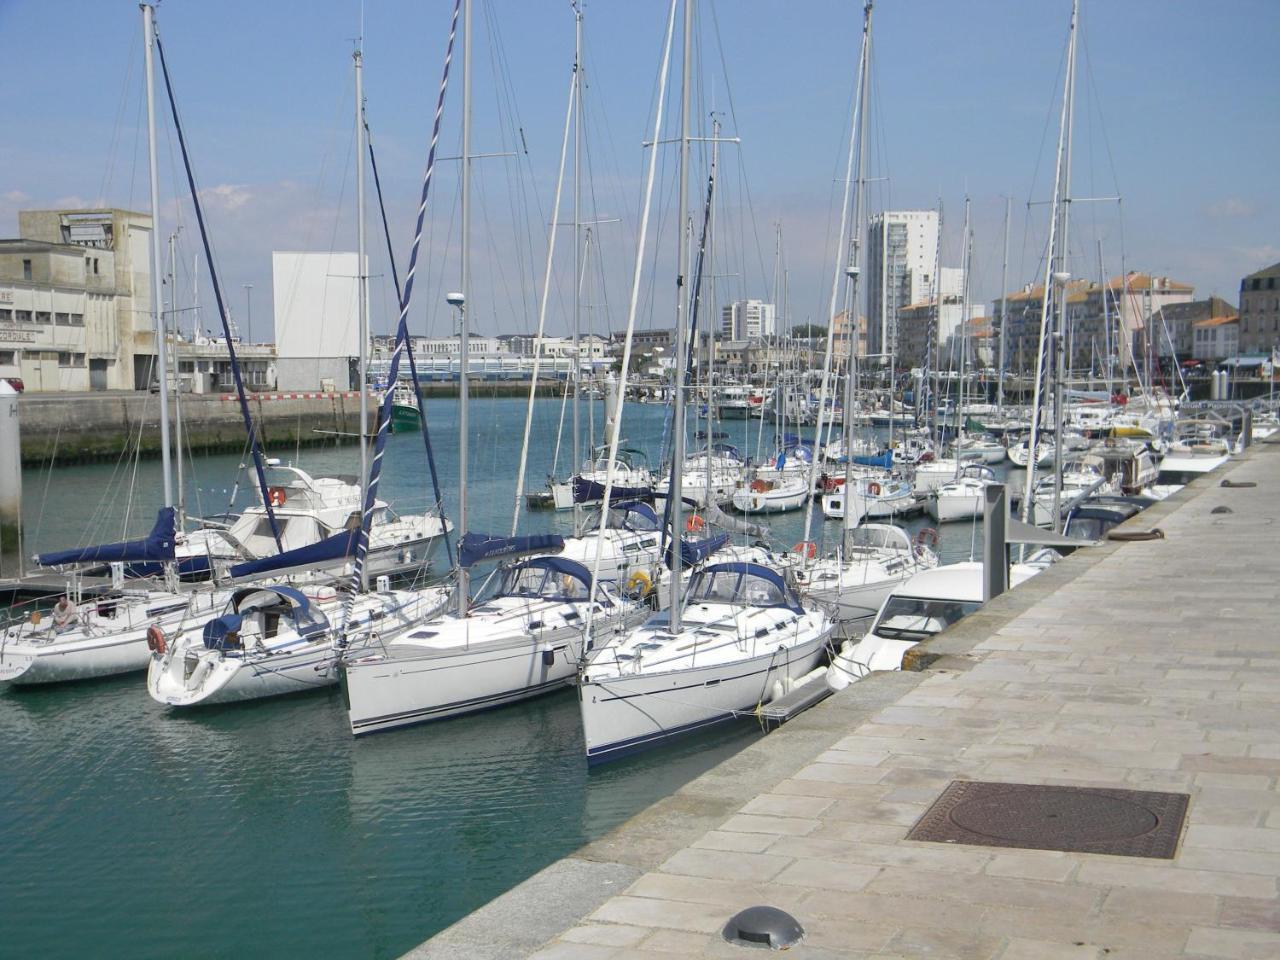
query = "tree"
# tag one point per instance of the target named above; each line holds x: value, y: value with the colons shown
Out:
x: 808, y: 331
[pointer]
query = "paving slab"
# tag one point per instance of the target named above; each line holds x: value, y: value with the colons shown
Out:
x: 1147, y: 665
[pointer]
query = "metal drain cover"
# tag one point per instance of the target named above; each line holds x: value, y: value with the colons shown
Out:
x: 1130, y: 823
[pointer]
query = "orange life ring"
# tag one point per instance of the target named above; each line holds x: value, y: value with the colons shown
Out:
x: 695, y: 524
x: 155, y: 639
x: 806, y: 548
x: 276, y: 496
x: 873, y: 489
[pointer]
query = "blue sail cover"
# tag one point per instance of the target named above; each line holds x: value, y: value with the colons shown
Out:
x: 884, y: 460
x: 589, y: 491
x: 695, y: 551
x: 157, y: 545
x: 474, y: 547
x: 340, y: 546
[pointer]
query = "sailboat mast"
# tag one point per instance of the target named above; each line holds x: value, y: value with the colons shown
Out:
x: 675, y: 490
x: 962, y: 367
x: 161, y: 333
x: 1004, y: 308
x: 579, y: 259
x: 464, y: 307
x: 362, y: 289
x: 1062, y: 277
x: 853, y: 269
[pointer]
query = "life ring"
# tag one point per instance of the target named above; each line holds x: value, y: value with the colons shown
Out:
x: 695, y: 524
x: 64, y: 611
x: 927, y: 537
x: 639, y: 584
x: 873, y: 489
x: 806, y: 548
x: 155, y: 639
x: 276, y: 496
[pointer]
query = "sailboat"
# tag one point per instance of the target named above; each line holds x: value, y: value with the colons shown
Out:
x: 737, y: 629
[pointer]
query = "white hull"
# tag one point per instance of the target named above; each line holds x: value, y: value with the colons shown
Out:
x: 628, y: 714
x: 105, y: 649
x: 948, y: 509
x: 231, y: 680
x: 791, y: 497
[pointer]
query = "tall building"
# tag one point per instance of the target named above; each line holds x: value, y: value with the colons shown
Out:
x: 902, y: 249
x: 748, y: 320
x: 922, y: 328
x: 1260, y: 311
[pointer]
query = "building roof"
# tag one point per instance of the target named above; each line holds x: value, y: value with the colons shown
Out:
x: 22, y: 245
x: 1271, y: 271
x: 1144, y: 281
x: 1216, y: 321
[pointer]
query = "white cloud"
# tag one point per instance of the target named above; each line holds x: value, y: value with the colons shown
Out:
x: 1231, y: 208
x: 15, y: 196
x: 227, y: 196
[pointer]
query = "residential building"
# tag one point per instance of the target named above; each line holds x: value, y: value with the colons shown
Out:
x: 922, y: 328
x: 1260, y: 311
x: 848, y: 337
x: 1177, y: 321
x: 902, y: 249
x: 748, y: 320
x: 1216, y: 338
x: 75, y: 300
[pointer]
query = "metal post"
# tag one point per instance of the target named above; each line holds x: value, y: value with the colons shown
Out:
x: 162, y: 357
x: 995, y: 556
x: 10, y: 483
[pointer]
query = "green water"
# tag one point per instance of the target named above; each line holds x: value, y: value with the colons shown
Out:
x: 265, y: 828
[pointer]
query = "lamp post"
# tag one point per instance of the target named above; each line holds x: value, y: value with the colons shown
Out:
x: 248, y: 311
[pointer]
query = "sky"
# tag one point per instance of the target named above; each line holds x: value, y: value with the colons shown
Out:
x: 1176, y: 114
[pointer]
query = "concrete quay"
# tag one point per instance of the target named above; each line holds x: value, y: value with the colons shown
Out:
x: 1145, y: 665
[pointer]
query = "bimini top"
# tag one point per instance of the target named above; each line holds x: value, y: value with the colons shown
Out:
x: 223, y: 633
x: 287, y: 595
x: 743, y: 583
x: 548, y: 578
x: 637, y: 515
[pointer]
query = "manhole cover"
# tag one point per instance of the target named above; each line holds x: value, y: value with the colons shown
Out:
x: 1131, y: 823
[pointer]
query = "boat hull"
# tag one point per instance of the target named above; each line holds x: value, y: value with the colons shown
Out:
x: 626, y: 715
x: 233, y: 680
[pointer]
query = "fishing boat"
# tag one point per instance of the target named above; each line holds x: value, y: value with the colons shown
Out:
x: 405, y: 413
x: 742, y: 632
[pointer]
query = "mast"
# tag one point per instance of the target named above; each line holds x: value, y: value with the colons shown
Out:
x: 675, y: 490
x: 1106, y: 321
x: 1004, y: 308
x: 162, y: 352
x: 963, y: 366
x: 464, y: 338
x: 362, y: 283
x: 579, y: 256
x: 853, y: 269
x: 1049, y: 275
x: 1062, y: 277
x: 177, y: 395
x: 835, y: 285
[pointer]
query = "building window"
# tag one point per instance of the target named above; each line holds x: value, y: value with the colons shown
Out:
x: 95, y: 265
x: 6, y: 314
x: 62, y: 319
x: 77, y: 319
x: 42, y: 316
x: 8, y: 358
x: 22, y: 316
x: 64, y: 359
x: 26, y: 269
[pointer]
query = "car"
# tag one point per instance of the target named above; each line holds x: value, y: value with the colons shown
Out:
x: 16, y: 383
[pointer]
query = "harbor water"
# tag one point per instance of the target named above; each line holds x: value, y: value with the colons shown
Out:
x: 264, y: 828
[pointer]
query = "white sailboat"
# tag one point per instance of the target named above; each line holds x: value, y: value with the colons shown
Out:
x: 963, y: 498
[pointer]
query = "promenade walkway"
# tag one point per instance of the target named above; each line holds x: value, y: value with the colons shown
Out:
x: 1149, y: 666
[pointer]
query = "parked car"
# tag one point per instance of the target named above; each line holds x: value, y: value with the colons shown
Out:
x: 16, y: 383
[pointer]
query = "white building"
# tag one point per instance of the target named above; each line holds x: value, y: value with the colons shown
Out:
x: 902, y: 249
x: 1216, y: 338
x: 748, y: 320
x: 317, y: 319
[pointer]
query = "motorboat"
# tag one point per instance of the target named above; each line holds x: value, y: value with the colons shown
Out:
x: 277, y: 640
x: 920, y: 608
x: 964, y: 497
x: 744, y: 633
x: 631, y: 477
x: 872, y: 499
x: 986, y: 450
x: 851, y: 583
x: 307, y: 511
x: 522, y: 638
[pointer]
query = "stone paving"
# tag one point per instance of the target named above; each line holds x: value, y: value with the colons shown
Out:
x: 1154, y: 667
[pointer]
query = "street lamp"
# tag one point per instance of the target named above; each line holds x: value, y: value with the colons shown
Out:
x: 248, y: 310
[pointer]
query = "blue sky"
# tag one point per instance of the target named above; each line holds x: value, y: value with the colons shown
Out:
x: 1177, y: 113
